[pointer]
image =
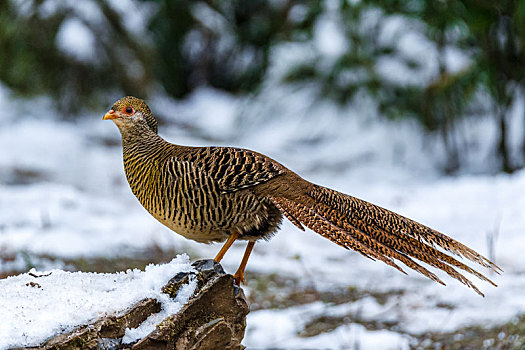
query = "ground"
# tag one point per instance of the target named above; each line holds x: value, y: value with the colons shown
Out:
x: 65, y: 204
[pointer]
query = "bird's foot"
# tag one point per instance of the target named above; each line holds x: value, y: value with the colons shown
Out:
x: 239, y: 278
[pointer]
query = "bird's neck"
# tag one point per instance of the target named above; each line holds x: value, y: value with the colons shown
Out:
x: 144, y: 152
x: 143, y: 143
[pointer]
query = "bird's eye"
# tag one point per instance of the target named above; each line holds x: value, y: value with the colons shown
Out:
x: 128, y: 110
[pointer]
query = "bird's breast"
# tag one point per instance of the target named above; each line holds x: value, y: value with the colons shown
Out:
x: 189, y: 202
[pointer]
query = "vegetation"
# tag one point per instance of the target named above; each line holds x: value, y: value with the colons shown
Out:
x: 228, y: 45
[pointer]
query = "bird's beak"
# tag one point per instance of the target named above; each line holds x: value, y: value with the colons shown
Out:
x: 110, y: 115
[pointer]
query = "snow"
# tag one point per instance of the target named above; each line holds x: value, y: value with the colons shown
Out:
x: 135, y: 15
x: 285, y: 324
x: 86, y: 10
x: 76, y: 40
x: 77, y: 203
x: 329, y: 39
x: 58, y: 301
x: 50, y: 223
x: 170, y: 307
x: 81, y: 206
x: 355, y: 336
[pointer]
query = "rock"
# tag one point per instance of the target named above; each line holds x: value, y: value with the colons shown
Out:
x: 214, y: 318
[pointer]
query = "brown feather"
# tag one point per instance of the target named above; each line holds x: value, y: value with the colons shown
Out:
x: 209, y: 193
x: 370, y: 228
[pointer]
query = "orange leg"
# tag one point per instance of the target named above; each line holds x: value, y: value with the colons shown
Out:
x: 226, y: 246
x: 239, y: 275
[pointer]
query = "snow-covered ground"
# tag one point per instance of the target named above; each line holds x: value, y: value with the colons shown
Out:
x: 63, y: 194
x: 39, y: 305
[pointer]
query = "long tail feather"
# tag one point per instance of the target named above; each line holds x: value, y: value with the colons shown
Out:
x: 380, y: 234
x: 352, y: 238
x: 367, y: 213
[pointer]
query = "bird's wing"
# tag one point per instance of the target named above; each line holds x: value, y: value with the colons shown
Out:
x: 234, y: 168
x: 189, y: 183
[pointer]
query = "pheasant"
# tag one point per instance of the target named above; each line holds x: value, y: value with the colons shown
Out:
x: 215, y: 194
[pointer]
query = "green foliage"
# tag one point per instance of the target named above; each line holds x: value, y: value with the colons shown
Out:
x: 491, y: 34
x: 228, y: 44
x: 31, y: 64
x: 225, y: 44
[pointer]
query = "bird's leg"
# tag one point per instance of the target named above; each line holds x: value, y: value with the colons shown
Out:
x: 239, y: 275
x: 226, y: 246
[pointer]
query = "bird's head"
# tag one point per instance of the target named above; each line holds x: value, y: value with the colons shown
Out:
x: 131, y: 113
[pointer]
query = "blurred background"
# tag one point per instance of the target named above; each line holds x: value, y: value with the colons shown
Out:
x: 418, y: 106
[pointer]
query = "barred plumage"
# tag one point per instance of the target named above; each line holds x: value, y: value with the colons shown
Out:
x: 221, y: 193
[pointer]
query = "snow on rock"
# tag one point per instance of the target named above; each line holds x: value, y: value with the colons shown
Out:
x: 37, y: 308
x: 169, y: 308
